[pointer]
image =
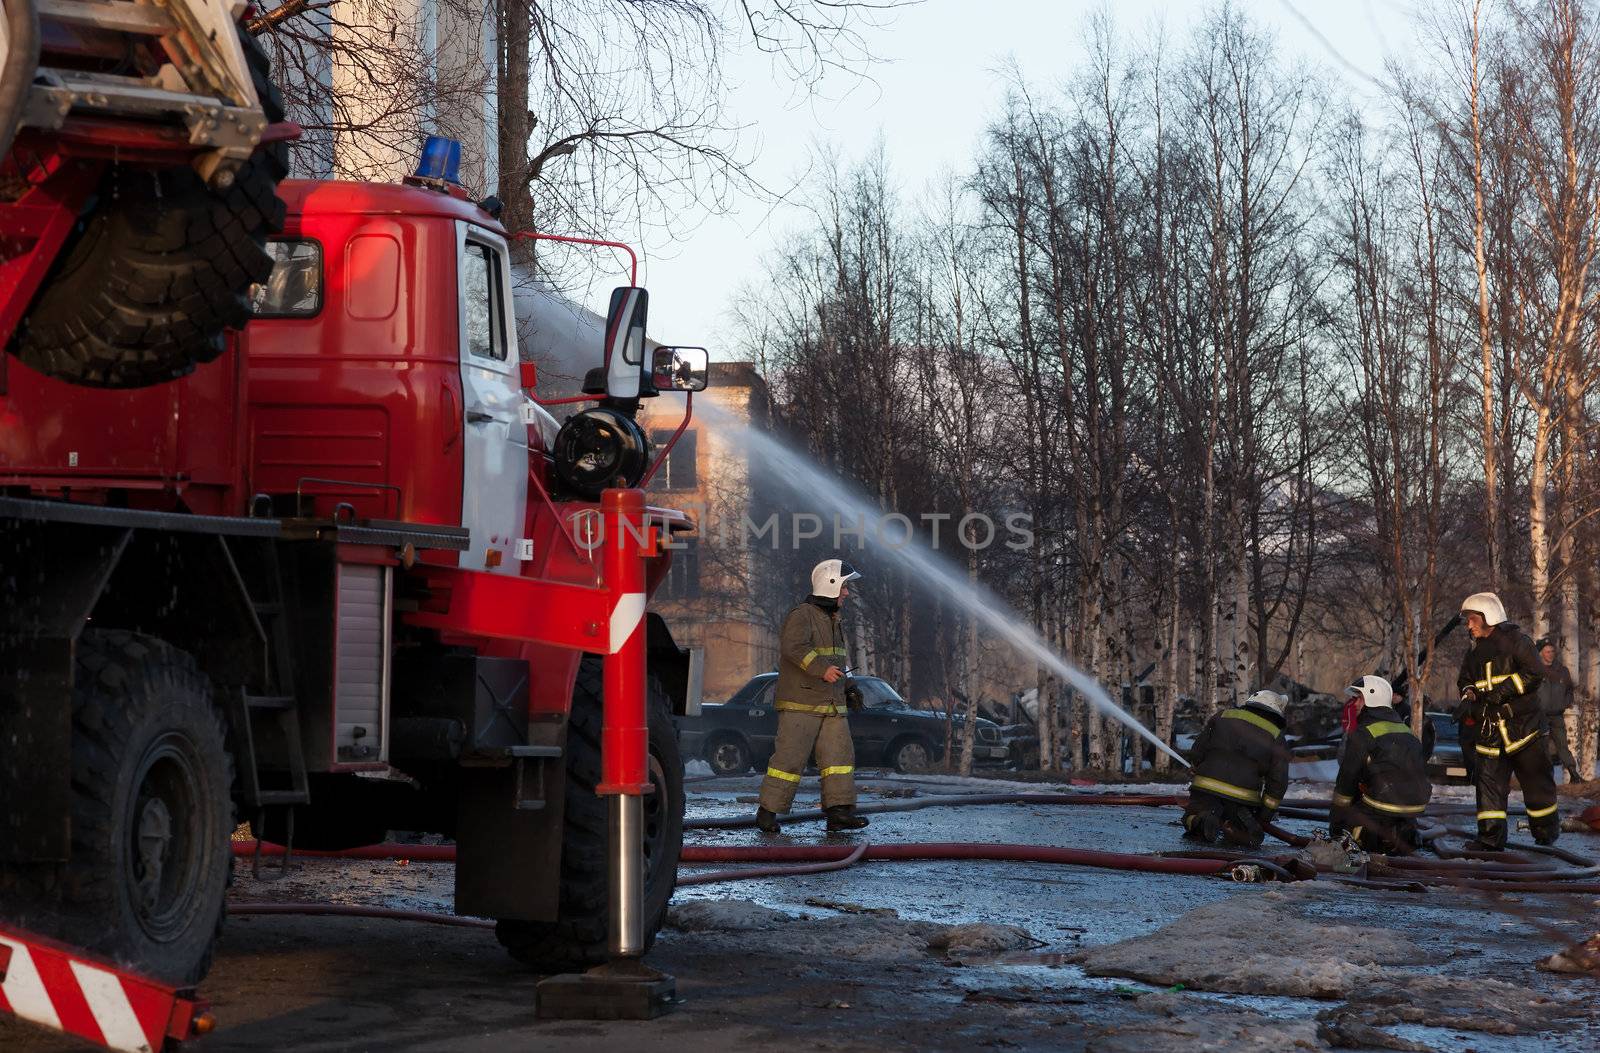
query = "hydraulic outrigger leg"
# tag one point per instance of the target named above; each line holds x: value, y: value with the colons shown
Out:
x: 624, y: 988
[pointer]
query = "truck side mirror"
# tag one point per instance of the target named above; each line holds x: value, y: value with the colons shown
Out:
x: 625, y: 322
x: 679, y: 369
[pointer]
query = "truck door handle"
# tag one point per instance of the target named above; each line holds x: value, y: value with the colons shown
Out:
x: 479, y: 417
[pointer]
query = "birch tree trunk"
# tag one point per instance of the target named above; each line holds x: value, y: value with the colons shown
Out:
x: 1538, y: 523
x: 1485, y: 346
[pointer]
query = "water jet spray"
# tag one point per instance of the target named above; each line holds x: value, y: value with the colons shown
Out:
x: 805, y: 479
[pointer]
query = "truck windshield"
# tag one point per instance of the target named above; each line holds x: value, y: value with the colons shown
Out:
x: 879, y: 693
x: 748, y: 694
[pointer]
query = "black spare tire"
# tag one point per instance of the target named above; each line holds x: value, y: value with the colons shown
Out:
x: 158, y: 267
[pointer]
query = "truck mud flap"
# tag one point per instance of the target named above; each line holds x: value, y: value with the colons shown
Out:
x: 508, y: 840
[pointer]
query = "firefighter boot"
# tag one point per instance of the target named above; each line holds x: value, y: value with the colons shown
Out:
x: 1204, y: 827
x: 1491, y: 836
x: 1243, y: 830
x: 844, y: 817
x: 766, y: 822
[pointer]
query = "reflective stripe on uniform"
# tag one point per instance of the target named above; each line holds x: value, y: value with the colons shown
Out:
x: 1512, y: 747
x: 821, y: 652
x: 1253, y: 718
x: 1226, y: 789
x: 786, y: 776
x: 1393, y: 809
x: 1340, y: 798
x: 1271, y: 802
x: 1387, y: 727
x: 1490, y: 680
x: 1490, y: 815
x: 1488, y: 751
x: 831, y: 709
x: 838, y: 769
x: 1540, y: 813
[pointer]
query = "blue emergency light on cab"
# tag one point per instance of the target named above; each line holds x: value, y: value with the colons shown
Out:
x: 440, y: 162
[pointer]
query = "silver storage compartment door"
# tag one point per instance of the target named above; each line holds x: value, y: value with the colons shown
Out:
x: 361, y: 665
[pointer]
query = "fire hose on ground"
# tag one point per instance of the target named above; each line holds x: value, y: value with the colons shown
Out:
x: 1510, y: 870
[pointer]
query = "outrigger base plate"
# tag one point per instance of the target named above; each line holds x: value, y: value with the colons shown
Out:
x: 624, y: 989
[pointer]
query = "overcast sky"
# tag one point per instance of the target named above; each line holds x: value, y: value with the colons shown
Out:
x: 936, y: 88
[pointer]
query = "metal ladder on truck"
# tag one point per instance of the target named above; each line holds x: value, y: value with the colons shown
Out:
x: 201, y: 76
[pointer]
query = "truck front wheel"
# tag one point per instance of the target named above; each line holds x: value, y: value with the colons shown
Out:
x: 151, y: 811
x: 577, y: 938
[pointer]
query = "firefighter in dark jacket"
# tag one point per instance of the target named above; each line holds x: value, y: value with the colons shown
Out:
x: 1555, y: 698
x: 1499, y: 684
x: 811, y: 701
x: 1383, y: 780
x: 1241, y: 770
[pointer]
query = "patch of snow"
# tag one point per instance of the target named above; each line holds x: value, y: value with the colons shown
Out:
x: 1314, y: 771
x: 724, y: 915
x: 980, y: 939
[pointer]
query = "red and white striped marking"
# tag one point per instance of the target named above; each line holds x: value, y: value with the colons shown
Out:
x: 49, y: 985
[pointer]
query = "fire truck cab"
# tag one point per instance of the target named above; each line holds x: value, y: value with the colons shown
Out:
x: 347, y: 579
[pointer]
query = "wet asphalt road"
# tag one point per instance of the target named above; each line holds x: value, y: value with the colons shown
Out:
x: 286, y: 983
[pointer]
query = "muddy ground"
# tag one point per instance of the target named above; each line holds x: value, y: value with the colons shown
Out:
x: 1110, y: 962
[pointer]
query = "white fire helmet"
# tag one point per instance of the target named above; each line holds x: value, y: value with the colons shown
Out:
x: 829, y: 576
x: 1486, y: 604
x: 1375, y: 692
x: 1269, y: 700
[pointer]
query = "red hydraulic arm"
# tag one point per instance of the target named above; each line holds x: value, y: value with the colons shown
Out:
x: 624, y: 764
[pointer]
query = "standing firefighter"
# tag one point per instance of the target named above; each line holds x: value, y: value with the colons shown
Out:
x: 1241, y: 770
x: 1555, y: 698
x: 811, y: 705
x: 1383, y: 775
x: 1499, y: 685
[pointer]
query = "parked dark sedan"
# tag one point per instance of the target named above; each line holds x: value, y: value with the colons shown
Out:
x: 736, y: 735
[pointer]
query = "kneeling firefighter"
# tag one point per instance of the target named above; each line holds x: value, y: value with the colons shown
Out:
x: 811, y: 703
x: 1241, y: 770
x: 1499, y: 683
x: 1383, y: 780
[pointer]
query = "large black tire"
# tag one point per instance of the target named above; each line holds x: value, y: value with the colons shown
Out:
x: 151, y: 814
x: 158, y: 267
x: 577, y: 938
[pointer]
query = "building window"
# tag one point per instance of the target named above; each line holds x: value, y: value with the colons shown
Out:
x: 679, y: 473
x: 683, y: 577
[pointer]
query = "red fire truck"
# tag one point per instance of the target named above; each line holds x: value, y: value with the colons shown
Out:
x: 346, y: 577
